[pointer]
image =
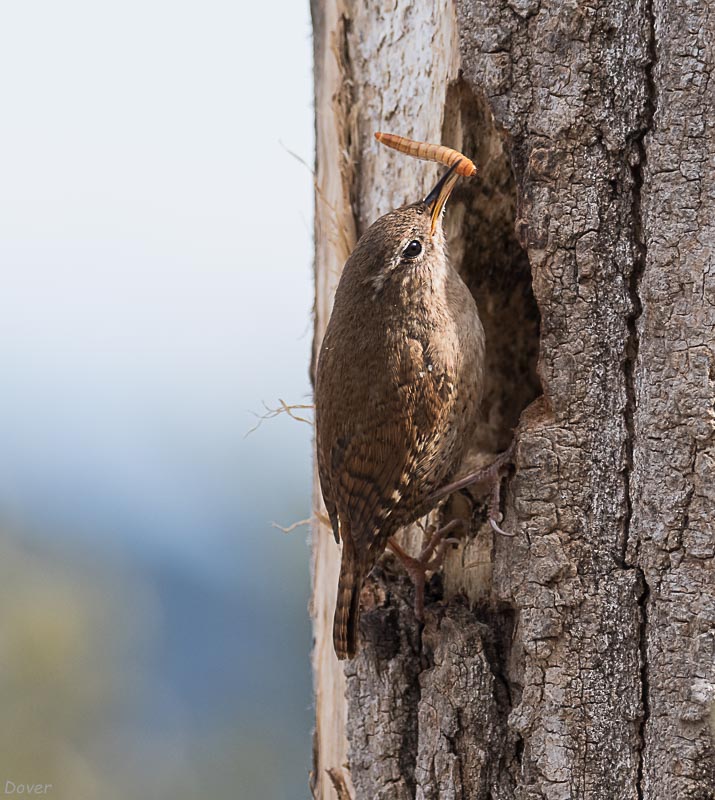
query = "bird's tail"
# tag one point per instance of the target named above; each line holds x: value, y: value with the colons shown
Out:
x: 347, y: 610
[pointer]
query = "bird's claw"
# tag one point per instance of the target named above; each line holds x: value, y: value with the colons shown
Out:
x: 429, y: 560
x: 495, y: 527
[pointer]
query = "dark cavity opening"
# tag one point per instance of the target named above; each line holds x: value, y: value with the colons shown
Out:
x: 485, y: 250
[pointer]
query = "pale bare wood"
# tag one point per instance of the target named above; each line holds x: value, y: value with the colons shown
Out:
x: 334, y: 239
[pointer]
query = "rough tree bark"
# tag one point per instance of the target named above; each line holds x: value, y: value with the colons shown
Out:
x: 575, y: 660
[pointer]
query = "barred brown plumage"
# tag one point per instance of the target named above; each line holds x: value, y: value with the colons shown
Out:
x: 397, y: 393
x: 429, y: 152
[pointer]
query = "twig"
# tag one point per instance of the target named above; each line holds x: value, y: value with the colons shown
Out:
x: 293, y: 526
x: 317, y: 515
x: 284, y: 408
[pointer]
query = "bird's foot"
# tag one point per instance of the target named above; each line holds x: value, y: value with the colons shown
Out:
x: 490, y: 476
x: 429, y: 560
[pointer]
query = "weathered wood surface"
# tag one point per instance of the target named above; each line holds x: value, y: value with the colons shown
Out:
x: 575, y: 660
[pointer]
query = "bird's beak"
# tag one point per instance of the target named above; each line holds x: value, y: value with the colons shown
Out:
x: 436, y: 199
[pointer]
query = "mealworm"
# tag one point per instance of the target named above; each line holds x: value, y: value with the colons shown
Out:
x: 429, y: 152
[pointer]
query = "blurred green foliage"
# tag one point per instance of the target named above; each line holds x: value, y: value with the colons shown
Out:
x: 85, y: 709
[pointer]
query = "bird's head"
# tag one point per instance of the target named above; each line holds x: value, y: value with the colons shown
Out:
x: 408, y: 244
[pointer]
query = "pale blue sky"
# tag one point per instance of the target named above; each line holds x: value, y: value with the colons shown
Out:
x: 155, y: 248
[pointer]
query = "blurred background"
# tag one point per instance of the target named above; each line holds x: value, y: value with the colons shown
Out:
x: 156, y: 289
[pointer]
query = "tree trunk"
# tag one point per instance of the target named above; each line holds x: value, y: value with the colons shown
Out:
x: 576, y: 659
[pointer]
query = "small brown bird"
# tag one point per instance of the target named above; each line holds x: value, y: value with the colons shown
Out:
x: 397, y: 394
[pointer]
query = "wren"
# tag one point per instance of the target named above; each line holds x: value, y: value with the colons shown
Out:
x: 398, y: 390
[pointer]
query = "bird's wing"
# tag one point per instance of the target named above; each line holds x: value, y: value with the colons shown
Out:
x: 381, y: 447
x: 328, y: 496
x: 379, y: 475
x: 370, y: 472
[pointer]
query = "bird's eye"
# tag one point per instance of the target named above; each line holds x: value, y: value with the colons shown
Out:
x: 413, y: 249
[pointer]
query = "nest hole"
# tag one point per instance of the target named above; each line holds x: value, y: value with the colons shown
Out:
x: 485, y: 249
